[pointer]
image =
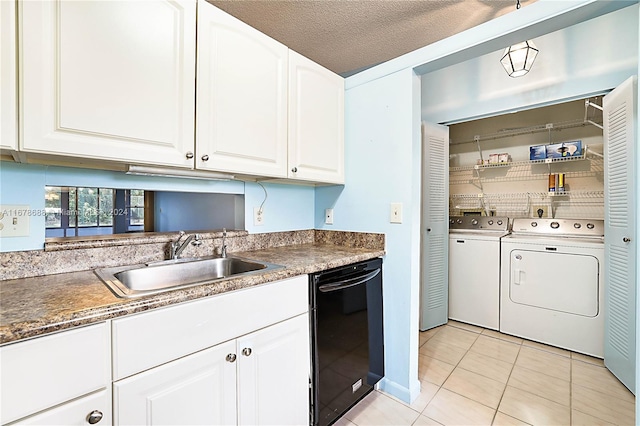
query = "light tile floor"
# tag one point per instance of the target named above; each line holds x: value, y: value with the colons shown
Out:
x: 474, y: 376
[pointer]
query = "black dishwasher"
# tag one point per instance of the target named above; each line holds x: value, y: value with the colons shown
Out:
x: 346, y: 337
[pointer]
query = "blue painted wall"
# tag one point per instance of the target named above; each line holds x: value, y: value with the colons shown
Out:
x: 382, y: 166
x: 288, y: 207
x: 572, y: 63
x: 381, y: 151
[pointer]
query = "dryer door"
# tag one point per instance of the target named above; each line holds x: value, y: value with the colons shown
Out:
x: 563, y: 282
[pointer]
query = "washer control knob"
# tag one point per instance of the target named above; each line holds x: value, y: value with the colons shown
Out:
x: 590, y: 225
x: 555, y: 225
x: 474, y: 222
x: 534, y: 224
x: 577, y: 225
x: 490, y: 222
x: 499, y: 223
x: 459, y: 221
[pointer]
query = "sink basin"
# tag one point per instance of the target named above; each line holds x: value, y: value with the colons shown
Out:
x: 145, y: 279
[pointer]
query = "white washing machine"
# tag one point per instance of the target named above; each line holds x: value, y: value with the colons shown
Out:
x: 474, y: 269
x: 552, y: 283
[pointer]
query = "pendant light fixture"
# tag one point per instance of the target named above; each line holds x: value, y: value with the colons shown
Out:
x: 518, y: 58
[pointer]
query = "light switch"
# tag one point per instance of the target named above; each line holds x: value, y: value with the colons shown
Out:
x: 14, y: 221
x: 396, y: 213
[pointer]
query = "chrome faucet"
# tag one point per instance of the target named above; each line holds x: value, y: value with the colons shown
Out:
x: 223, y: 250
x: 177, y: 248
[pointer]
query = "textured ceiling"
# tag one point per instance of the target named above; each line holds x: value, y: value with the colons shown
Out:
x: 347, y: 36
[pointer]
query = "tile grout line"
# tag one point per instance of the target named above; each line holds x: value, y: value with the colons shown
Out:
x: 507, y: 384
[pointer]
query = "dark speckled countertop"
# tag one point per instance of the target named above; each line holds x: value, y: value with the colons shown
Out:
x: 31, y: 307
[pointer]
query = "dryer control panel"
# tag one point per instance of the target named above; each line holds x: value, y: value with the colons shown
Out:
x: 559, y: 227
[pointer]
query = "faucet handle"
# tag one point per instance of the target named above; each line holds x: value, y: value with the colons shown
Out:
x: 196, y: 240
x: 224, y: 232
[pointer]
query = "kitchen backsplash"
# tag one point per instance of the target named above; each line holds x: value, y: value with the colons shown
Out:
x: 61, y: 256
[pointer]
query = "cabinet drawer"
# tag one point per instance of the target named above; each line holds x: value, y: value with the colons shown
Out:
x: 46, y: 371
x: 75, y: 413
x: 152, y: 338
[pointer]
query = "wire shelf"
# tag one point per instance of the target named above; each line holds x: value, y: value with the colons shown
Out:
x: 574, y: 204
x: 530, y: 130
x: 482, y: 167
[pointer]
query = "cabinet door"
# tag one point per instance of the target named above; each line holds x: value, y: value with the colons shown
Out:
x: 8, y: 117
x: 241, y: 116
x: 195, y: 390
x: 316, y: 122
x: 273, y: 374
x: 108, y: 80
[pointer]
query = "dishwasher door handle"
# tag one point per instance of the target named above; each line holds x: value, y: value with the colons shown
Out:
x: 350, y: 282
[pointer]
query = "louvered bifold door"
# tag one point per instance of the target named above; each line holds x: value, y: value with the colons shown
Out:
x: 620, y: 231
x: 434, y: 226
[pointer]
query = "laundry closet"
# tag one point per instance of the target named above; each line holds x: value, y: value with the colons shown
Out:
x: 542, y: 277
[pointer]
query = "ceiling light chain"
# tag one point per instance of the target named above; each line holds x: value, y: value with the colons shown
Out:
x: 518, y: 58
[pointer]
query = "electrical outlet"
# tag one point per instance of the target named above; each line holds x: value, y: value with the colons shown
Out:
x: 395, y: 215
x: 328, y: 216
x: 536, y: 211
x: 258, y: 216
x: 14, y: 221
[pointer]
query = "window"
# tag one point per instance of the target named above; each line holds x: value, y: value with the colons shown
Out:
x: 75, y: 211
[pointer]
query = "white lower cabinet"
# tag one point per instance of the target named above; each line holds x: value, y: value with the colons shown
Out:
x: 258, y: 379
x: 198, y: 389
x: 66, y: 373
x: 240, y: 357
x: 273, y: 374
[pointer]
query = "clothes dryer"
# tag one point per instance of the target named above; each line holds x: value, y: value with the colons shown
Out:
x: 552, y: 283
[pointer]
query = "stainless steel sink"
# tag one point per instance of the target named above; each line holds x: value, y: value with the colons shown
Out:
x: 145, y: 279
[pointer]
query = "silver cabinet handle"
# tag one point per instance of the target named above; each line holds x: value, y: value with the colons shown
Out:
x: 94, y: 417
x: 205, y: 157
x: 231, y: 357
x: 294, y: 170
x: 246, y: 351
x: 626, y: 240
x: 189, y: 155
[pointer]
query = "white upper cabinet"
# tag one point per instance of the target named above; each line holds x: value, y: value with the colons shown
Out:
x: 108, y: 80
x: 316, y: 122
x: 241, y: 114
x: 8, y: 113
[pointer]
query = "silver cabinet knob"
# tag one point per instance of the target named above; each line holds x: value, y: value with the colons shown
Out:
x: 626, y: 240
x: 246, y: 351
x: 231, y: 357
x: 94, y: 417
x: 294, y: 170
x: 189, y: 155
x: 205, y: 157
